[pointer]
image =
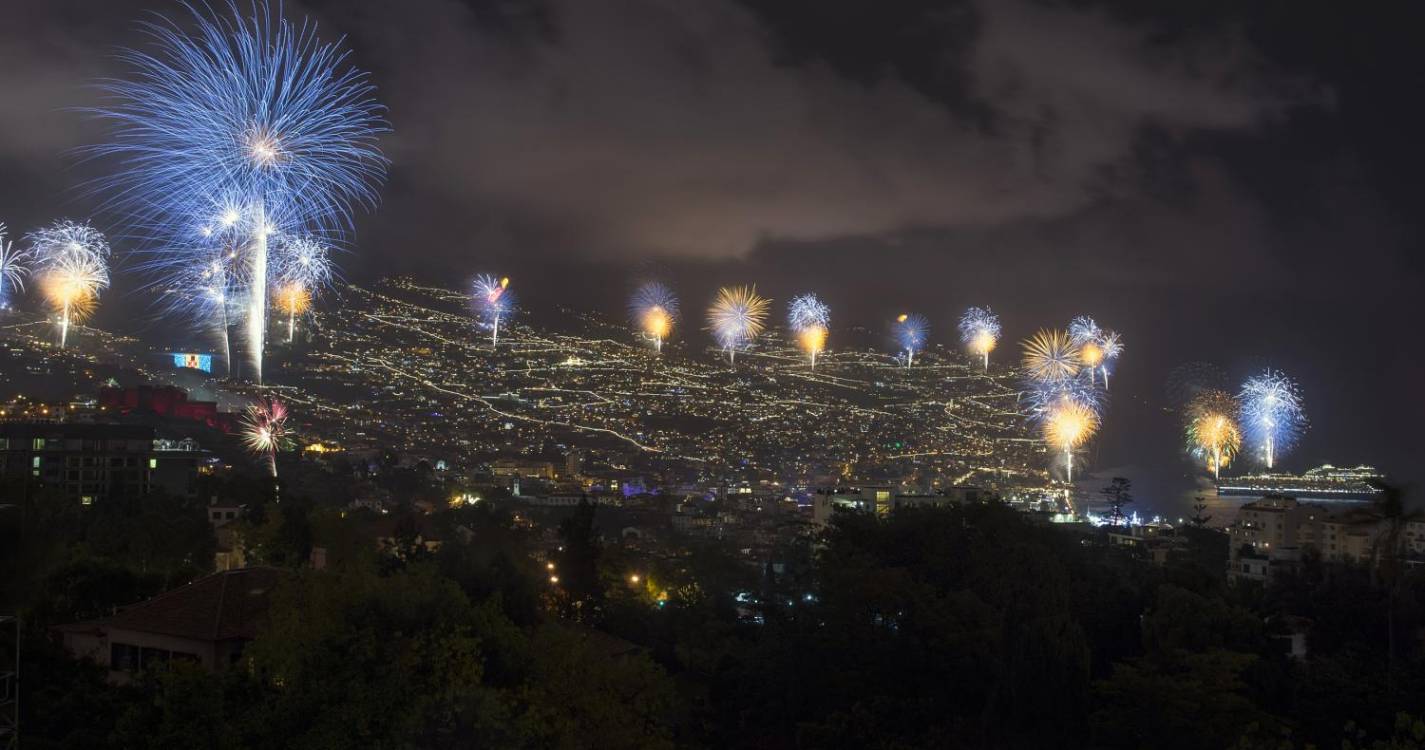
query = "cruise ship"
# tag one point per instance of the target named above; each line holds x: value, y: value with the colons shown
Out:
x: 1324, y: 482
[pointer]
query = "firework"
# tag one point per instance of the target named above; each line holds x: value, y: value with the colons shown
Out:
x: 736, y: 317
x: 205, y: 293
x: 264, y: 430
x: 809, y: 319
x: 911, y: 331
x: 14, y: 267
x: 293, y: 299
x: 1042, y: 395
x: 1111, y: 344
x: 251, y: 107
x: 1212, y: 431
x: 493, y: 301
x: 1084, y: 329
x: 72, y: 267
x: 1066, y: 426
x: 1051, y: 356
x: 979, y: 332
x: 654, y: 311
x: 303, y: 268
x: 1271, y: 414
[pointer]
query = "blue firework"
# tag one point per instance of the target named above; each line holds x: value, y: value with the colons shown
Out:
x: 1271, y: 414
x: 911, y: 331
x: 245, y: 121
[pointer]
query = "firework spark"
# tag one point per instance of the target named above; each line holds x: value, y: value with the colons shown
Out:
x: 72, y: 267
x: 911, y: 330
x: 809, y: 318
x: 1271, y: 414
x: 1212, y: 431
x: 250, y: 106
x: 1052, y: 356
x: 14, y: 267
x: 979, y: 332
x: 493, y: 301
x: 736, y: 317
x: 654, y: 311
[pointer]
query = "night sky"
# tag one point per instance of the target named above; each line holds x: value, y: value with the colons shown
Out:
x: 1234, y: 182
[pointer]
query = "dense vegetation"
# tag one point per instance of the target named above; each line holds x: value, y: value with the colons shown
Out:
x: 967, y: 627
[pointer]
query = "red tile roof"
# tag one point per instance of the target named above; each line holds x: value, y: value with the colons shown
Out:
x: 223, y: 606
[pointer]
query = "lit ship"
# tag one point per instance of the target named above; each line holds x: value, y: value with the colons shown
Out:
x: 1325, y: 482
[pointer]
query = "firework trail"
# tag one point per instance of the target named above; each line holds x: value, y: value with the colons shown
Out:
x: 493, y: 301
x: 911, y: 331
x: 654, y: 311
x: 264, y: 430
x: 1271, y: 414
x: 14, y: 267
x: 736, y: 317
x: 979, y: 332
x: 251, y: 107
x: 810, y: 319
x: 72, y: 267
x: 1211, y: 428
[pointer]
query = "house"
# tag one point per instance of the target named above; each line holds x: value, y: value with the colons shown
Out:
x: 207, y: 622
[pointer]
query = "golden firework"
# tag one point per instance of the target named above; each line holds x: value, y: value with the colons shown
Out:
x: 1052, y: 356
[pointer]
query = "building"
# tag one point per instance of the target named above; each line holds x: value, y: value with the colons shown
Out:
x: 88, y: 462
x: 164, y: 401
x: 207, y: 622
x: 506, y: 468
x: 1275, y: 532
x: 882, y: 499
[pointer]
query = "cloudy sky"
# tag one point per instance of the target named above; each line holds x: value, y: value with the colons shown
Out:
x: 1222, y: 181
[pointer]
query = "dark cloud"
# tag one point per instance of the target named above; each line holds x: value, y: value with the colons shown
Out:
x: 642, y: 127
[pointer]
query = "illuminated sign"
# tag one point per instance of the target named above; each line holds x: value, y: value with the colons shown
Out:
x: 202, y: 362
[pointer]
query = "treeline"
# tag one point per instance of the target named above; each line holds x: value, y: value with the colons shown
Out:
x: 969, y: 627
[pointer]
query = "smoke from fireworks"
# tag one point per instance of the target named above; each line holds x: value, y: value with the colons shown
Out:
x: 979, y: 332
x: 493, y: 301
x: 14, y: 267
x: 1271, y: 414
x: 72, y: 267
x: 809, y: 318
x: 911, y: 331
x: 1051, y: 356
x: 654, y: 310
x: 251, y: 108
x: 736, y: 317
x: 1212, y: 431
x: 264, y: 430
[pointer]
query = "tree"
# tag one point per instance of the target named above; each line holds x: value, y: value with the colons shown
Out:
x: 1118, y: 494
x: 580, y: 590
